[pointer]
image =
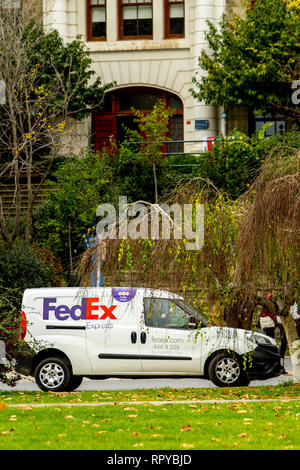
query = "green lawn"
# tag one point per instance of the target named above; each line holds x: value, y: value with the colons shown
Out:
x: 285, y: 390
x: 263, y: 425
x: 241, y: 425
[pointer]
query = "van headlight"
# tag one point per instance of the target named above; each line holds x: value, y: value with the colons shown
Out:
x: 258, y: 338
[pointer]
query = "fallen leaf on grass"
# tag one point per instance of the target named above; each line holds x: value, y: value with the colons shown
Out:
x: 6, y: 432
x: 2, y: 406
x: 186, y: 428
x: 140, y: 444
x: 187, y: 446
x: 215, y: 439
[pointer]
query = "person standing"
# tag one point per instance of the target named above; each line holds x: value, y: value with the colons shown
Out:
x: 296, y: 316
x: 268, y: 320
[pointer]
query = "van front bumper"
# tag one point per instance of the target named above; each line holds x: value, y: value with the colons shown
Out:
x: 264, y: 363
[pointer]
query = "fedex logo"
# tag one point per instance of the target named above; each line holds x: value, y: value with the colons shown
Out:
x: 88, y: 310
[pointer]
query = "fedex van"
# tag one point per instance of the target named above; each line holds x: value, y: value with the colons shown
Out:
x: 133, y: 332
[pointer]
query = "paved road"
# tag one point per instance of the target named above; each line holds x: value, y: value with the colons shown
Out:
x: 133, y: 384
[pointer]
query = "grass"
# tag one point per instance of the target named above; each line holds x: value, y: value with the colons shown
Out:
x: 256, y: 425
x: 285, y: 390
x: 215, y: 425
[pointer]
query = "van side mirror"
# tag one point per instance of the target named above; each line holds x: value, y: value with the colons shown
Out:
x: 193, y: 323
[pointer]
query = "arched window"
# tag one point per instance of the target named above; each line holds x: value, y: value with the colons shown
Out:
x: 117, y: 112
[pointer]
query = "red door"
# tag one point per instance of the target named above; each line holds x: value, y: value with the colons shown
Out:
x: 104, y: 128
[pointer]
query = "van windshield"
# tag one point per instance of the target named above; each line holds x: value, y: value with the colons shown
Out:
x: 201, y: 318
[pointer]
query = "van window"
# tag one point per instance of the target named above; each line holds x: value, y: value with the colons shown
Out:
x: 164, y: 313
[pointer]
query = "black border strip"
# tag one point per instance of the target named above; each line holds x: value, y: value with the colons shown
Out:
x: 64, y: 327
x: 144, y: 357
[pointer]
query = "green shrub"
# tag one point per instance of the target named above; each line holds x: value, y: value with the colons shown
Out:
x: 23, y: 267
x: 236, y: 159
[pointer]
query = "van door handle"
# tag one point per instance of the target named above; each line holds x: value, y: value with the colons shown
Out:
x: 133, y: 337
x: 143, y: 337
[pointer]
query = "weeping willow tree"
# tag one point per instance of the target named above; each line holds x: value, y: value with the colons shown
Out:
x: 202, y: 275
x: 251, y: 245
x: 268, y: 244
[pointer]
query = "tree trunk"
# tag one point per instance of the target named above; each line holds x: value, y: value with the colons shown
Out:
x: 155, y: 183
x: 293, y: 342
x: 29, y: 204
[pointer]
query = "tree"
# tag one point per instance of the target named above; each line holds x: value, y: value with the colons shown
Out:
x: 79, y: 185
x: 269, y: 238
x: 153, y: 129
x: 253, y: 60
x: 251, y: 245
x: 46, y: 83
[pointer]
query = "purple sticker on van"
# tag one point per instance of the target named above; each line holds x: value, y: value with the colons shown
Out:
x: 123, y: 294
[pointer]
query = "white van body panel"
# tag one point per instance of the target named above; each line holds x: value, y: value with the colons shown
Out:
x: 105, y: 333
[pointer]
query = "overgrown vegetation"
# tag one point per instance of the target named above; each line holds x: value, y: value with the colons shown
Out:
x: 48, y: 84
x: 253, y: 59
x: 251, y: 245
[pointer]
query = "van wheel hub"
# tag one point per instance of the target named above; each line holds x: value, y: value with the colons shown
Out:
x: 52, y: 375
x: 228, y: 370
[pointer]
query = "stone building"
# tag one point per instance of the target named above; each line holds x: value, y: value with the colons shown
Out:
x: 150, y: 49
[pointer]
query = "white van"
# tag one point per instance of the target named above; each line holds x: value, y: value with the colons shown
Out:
x: 133, y: 332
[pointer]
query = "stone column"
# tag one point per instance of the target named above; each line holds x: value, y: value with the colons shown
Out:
x: 56, y: 16
x: 199, y: 14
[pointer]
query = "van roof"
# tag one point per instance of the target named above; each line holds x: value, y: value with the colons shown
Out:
x: 46, y: 291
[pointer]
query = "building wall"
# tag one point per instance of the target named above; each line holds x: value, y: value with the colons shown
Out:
x: 168, y: 64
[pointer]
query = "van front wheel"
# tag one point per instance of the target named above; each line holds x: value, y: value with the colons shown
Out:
x: 53, y: 375
x: 226, y: 370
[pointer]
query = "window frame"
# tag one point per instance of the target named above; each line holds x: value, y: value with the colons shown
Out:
x: 137, y: 3
x: 89, y: 24
x: 167, y: 5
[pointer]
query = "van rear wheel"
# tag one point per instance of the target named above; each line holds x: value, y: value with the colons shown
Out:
x: 53, y: 375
